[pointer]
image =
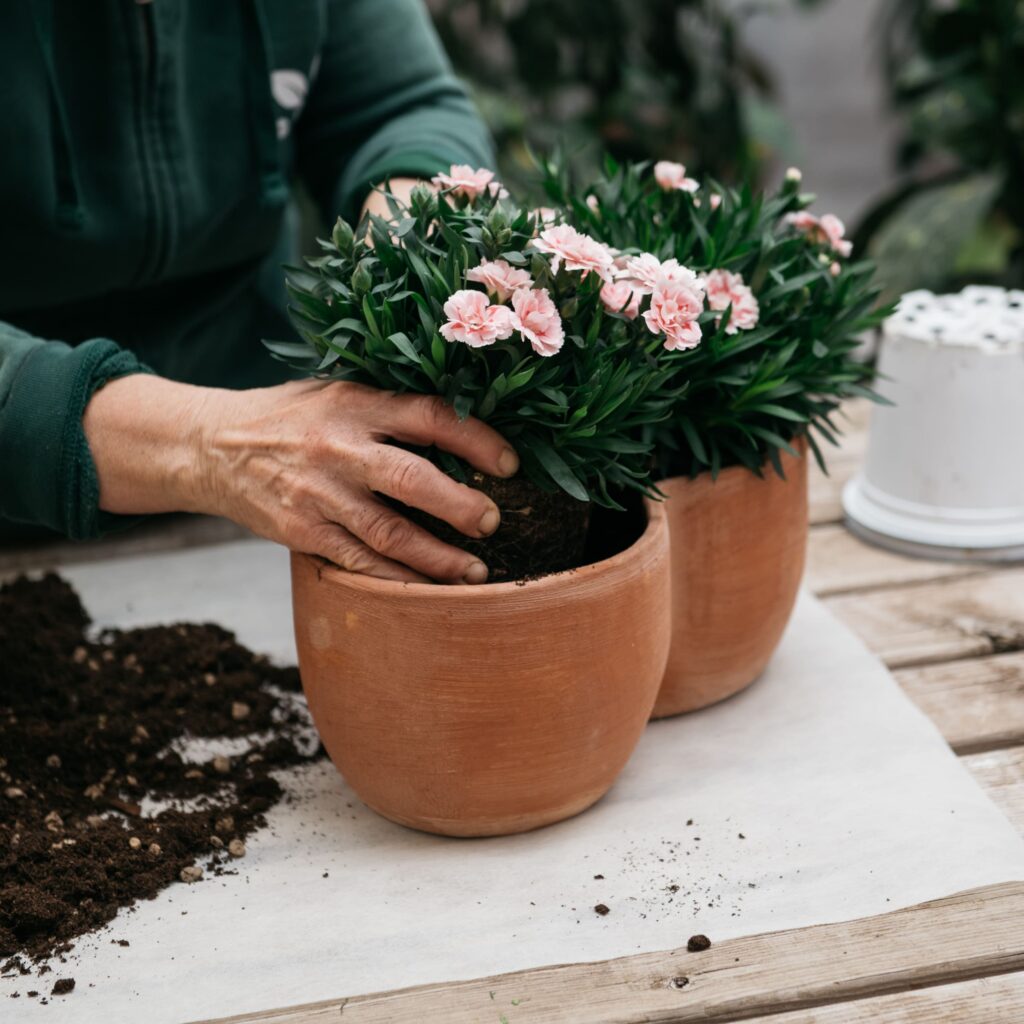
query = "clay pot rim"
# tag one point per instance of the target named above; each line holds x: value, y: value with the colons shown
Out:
x: 636, y: 555
x: 799, y: 443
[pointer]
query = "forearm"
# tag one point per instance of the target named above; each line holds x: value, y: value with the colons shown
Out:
x: 302, y: 463
x: 385, y: 102
x: 47, y: 476
x: 146, y: 435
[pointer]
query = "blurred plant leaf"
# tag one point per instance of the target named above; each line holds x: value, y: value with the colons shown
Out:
x: 919, y: 245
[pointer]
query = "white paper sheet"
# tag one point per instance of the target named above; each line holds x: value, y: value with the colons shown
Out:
x: 848, y: 801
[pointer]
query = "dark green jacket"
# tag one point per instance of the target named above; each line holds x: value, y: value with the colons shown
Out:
x: 147, y: 152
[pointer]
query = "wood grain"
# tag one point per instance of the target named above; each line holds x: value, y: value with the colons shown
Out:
x: 737, y: 980
x: 1001, y: 775
x: 160, y: 533
x: 840, y: 563
x: 954, y: 618
x: 825, y: 490
x: 998, y: 1000
x: 978, y: 703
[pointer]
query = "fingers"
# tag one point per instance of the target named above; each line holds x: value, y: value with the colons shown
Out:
x: 419, y: 484
x: 337, y: 545
x: 423, y: 420
x: 392, y: 535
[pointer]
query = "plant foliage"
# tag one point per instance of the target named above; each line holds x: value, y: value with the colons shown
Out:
x: 955, y: 74
x: 748, y: 394
x: 371, y: 307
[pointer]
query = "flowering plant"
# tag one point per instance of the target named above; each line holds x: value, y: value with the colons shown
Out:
x: 756, y: 294
x: 498, y: 309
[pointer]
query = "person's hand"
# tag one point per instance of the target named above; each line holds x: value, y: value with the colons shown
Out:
x: 300, y: 463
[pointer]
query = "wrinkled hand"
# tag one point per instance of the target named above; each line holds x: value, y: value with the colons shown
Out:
x: 303, y: 464
x: 300, y: 464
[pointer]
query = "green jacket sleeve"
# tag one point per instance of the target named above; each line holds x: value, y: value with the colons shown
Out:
x: 47, y: 476
x: 384, y: 102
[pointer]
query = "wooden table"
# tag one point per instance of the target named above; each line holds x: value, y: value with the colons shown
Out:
x: 953, y: 635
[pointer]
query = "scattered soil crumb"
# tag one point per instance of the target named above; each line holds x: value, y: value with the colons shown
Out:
x: 62, y: 986
x: 90, y: 728
x: 602, y: 909
x: 698, y: 943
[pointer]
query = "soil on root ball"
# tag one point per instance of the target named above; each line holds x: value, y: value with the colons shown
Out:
x: 541, y: 532
x: 89, y: 729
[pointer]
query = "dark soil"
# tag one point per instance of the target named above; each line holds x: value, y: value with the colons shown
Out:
x: 85, y: 729
x: 540, y: 532
x: 698, y: 943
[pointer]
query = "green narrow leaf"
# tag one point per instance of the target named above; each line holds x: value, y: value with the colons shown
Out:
x: 560, y: 472
x: 401, y: 341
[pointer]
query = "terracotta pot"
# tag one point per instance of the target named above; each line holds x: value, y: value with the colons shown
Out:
x: 737, y: 550
x: 477, y: 711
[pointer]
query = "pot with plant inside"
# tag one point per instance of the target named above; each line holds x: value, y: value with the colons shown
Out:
x: 758, y: 299
x: 483, y: 710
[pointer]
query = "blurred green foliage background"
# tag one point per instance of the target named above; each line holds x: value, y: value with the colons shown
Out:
x: 681, y: 79
x: 954, y: 71
x: 665, y: 79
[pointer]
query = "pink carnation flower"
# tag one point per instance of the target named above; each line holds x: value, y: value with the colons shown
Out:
x: 725, y: 289
x: 672, y: 176
x: 576, y: 250
x: 675, y: 307
x: 536, y: 318
x: 473, y: 321
x: 463, y: 180
x: 499, y: 278
x: 828, y: 230
x: 715, y: 200
x: 622, y: 297
x: 646, y: 270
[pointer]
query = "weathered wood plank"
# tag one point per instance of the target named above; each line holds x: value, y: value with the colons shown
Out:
x: 840, y: 563
x: 978, y: 703
x: 843, y: 461
x: 824, y: 492
x: 736, y: 980
x: 998, y: 1000
x: 953, y: 618
x: 162, y: 533
x: 1001, y: 775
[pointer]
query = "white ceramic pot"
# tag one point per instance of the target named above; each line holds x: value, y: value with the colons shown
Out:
x: 944, y: 471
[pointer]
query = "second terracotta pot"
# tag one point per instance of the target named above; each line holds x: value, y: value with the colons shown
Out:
x: 737, y: 551
x: 475, y: 711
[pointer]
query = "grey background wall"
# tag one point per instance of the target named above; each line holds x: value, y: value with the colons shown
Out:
x: 826, y: 67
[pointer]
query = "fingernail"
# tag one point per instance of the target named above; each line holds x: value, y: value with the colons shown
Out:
x: 489, y: 522
x: 476, y: 573
x: 508, y: 462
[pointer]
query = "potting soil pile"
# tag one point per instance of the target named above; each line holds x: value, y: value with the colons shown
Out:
x: 820, y: 794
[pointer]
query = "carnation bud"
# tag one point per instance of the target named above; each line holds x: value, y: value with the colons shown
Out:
x: 569, y: 308
x: 794, y: 175
x: 497, y: 232
x: 422, y: 199
x: 362, y: 280
x: 343, y: 236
